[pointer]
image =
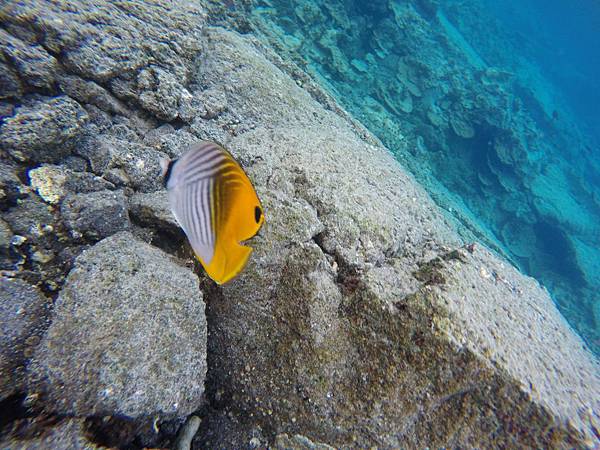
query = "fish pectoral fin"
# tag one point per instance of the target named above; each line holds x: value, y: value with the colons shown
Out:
x: 228, y: 262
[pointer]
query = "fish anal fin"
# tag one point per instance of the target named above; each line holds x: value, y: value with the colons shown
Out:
x: 227, y: 264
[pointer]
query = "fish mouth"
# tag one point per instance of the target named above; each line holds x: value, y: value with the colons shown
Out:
x: 248, y: 241
x: 244, y: 243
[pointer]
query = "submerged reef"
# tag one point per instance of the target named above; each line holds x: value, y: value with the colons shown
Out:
x: 474, y: 124
x: 366, y: 315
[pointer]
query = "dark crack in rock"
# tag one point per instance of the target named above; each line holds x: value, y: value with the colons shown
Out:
x: 11, y: 188
x: 10, y: 86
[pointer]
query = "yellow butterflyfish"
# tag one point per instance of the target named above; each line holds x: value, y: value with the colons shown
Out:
x: 216, y: 205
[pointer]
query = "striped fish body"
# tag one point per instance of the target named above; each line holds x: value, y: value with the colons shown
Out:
x: 216, y: 205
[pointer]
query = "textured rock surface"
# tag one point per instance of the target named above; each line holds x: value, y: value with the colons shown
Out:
x: 5, y: 246
x: 23, y: 315
x: 44, y: 131
x: 354, y: 325
x: 67, y: 434
x: 361, y: 320
x: 84, y: 88
x: 297, y: 442
x: 53, y: 183
x: 152, y: 210
x: 9, y: 185
x: 95, y: 215
x: 128, y: 336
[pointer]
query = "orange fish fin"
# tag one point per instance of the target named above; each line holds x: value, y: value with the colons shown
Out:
x: 227, y: 263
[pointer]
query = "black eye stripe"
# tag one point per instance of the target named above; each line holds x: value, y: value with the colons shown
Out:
x: 257, y: 214
x: 169, y: 171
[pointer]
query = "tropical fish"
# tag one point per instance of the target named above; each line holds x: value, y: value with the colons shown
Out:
x: 216, y: 205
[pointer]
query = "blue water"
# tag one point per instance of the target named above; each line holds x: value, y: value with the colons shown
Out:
x: 564, y: 39
x: 493, y: 106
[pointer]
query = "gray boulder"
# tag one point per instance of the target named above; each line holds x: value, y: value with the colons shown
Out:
x: 33, y: 64
x: 10, y: 86
x: 122, y: 160
x: 23, y: 314
x: 152, y: 210
x: 160, y: 92
x: 95, y: 215
x: 44, y: 131
x: 52, y: 182
x: 128, y: 336
x: 32, y: 219
x: 89, y: 92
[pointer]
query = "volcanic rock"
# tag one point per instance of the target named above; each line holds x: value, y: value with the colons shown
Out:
x: 128, y: 336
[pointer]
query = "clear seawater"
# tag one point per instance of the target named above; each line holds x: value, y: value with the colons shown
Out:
x: 494, y: 108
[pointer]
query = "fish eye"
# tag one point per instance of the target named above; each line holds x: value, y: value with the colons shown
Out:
x: 257, y: 214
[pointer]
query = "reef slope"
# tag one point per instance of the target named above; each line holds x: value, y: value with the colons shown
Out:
x: 363, y: 318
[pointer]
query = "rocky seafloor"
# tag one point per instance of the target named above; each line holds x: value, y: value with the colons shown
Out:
x: 365, y: 318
